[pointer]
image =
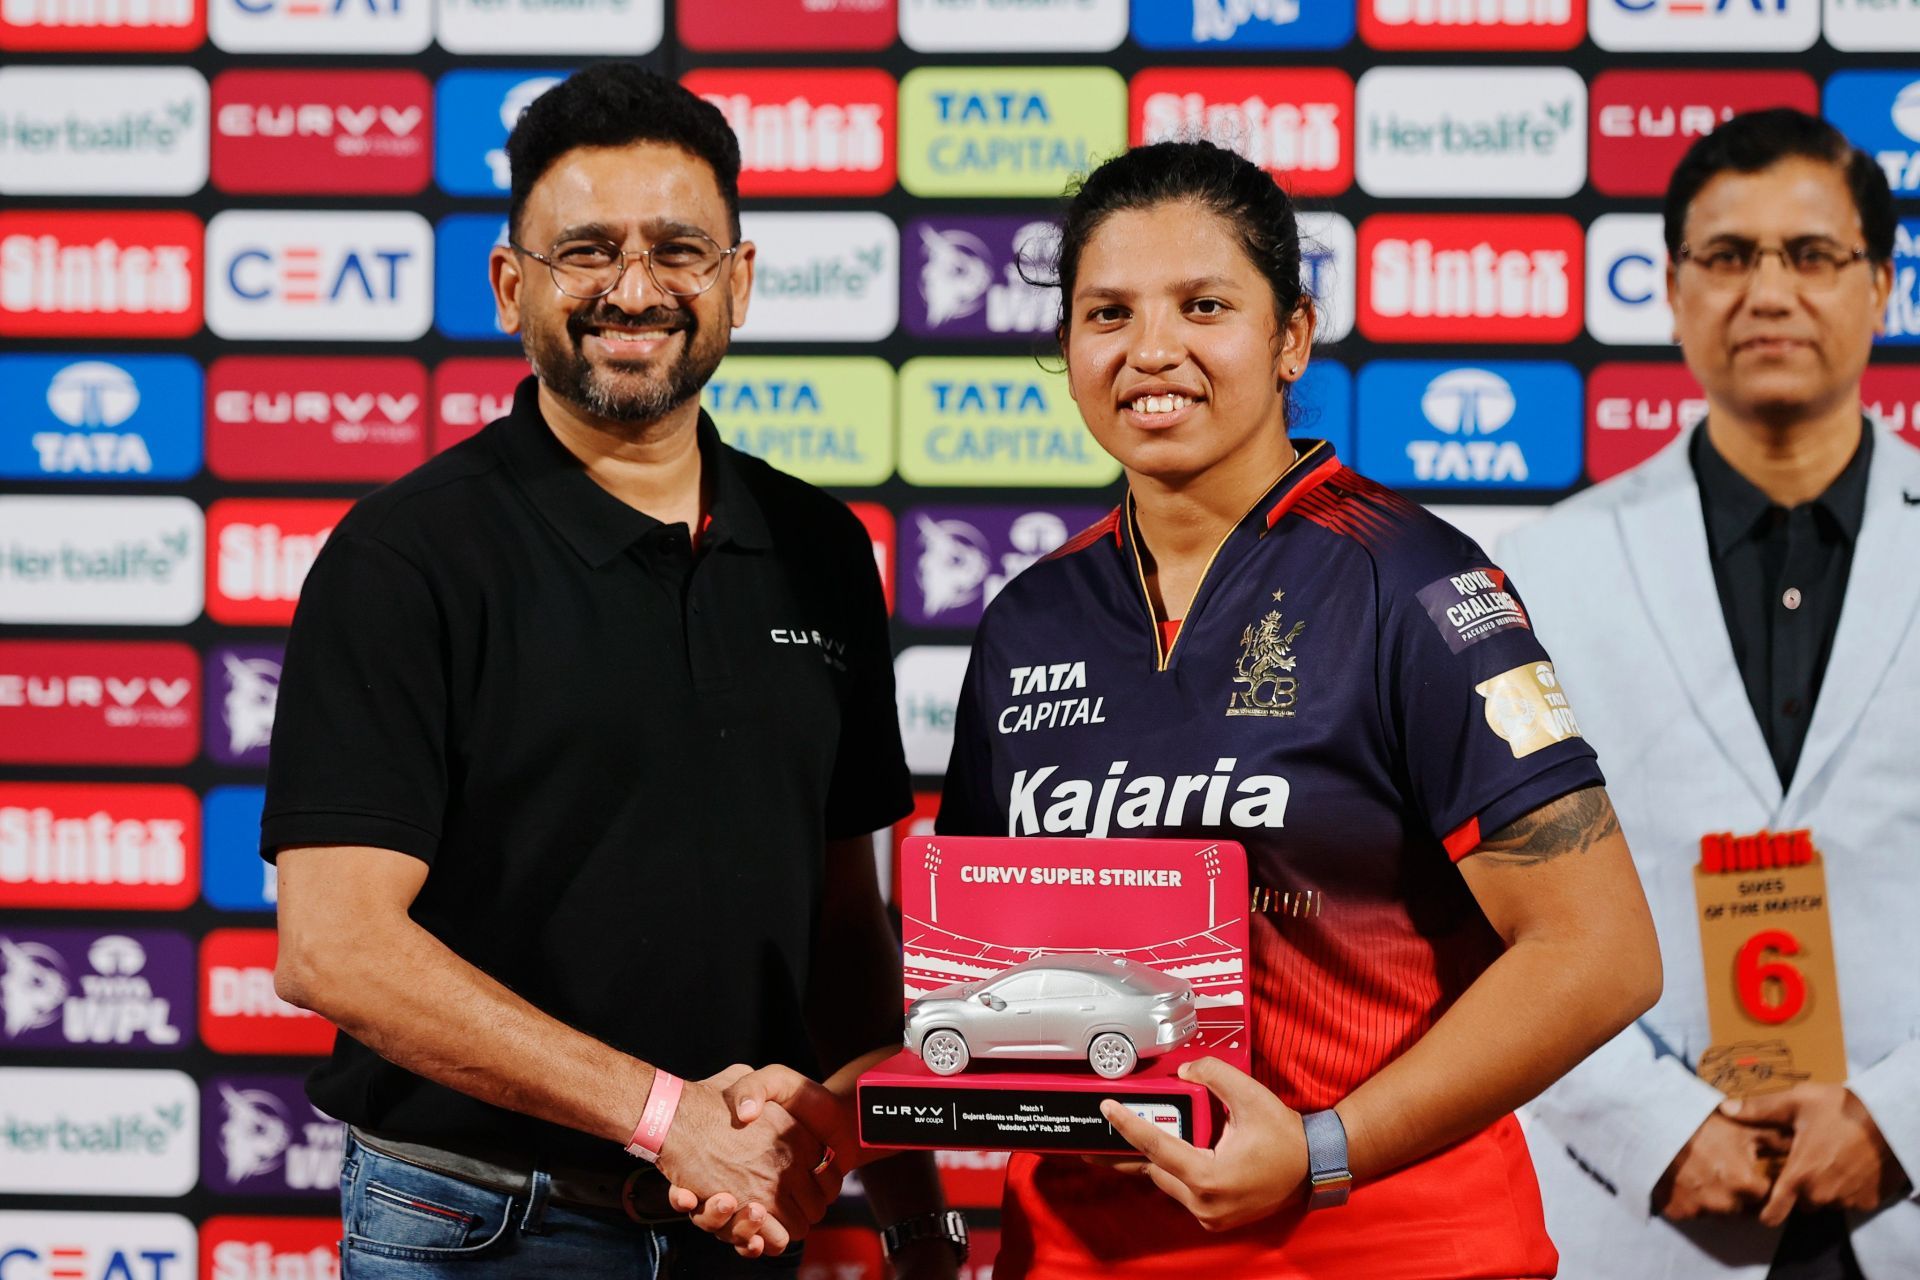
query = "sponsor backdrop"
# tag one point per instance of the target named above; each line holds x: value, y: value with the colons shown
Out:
x: 242, y: 280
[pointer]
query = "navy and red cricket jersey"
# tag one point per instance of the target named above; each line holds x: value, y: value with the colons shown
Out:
x: 1355, y: 695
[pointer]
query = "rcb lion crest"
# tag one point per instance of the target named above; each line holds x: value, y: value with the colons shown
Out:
x: 1265, y: 667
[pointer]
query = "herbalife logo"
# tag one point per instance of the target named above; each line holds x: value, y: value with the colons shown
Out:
x: 1528, y: 132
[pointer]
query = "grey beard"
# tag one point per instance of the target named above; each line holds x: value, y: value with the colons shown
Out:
x: 565, y: 371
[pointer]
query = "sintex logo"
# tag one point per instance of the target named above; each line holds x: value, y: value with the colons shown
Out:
x: 97, y: 274
x: 1296, y: 123
x: 103, y: 26
x: 995, y: 131
x: 806, y: 132
x: 98, y: 846
x: 1473, y: 24
x: 1470, y: 278
x: 258, y: 554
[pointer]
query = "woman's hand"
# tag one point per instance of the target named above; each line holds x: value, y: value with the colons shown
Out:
x: 1259, y: 1164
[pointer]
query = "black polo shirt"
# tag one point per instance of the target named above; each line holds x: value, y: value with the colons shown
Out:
x: 620, y: 759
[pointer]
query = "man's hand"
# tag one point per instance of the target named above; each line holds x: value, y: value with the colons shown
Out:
x: 1721, y: 1170
x: 1838, y: 1157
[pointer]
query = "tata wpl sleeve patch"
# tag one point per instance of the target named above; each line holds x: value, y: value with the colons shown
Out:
x: 1469, y: 607
x: 1527, y: 709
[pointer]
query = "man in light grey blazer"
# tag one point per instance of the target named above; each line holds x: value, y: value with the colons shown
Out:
x: 1738, y: 620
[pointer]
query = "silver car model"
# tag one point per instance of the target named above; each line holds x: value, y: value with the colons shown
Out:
x: 1107, y: 1010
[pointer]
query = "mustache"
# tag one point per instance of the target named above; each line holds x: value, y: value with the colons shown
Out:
x: 669, y: 318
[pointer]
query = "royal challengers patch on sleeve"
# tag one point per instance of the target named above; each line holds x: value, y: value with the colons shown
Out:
x: 1469, y: 607
x: 1526, y: 707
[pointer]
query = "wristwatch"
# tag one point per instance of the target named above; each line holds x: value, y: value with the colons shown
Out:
x: 948, y: 1226
x: 1328, y: 1177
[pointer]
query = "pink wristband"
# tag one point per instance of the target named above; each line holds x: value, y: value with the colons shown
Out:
x: 663, y: 1099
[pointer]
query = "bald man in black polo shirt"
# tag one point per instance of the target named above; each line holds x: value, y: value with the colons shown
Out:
x: 584, y: 731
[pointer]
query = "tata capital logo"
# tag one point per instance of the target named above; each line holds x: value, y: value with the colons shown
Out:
x: 1636, y: 409
x: 82, y: 417
x: 1902, y: 321
x: 1468, y: 277
x: 1627, y: 280
x: 1242, y: 24
x: 102, y: 26
x: 474, y: 111
x: 990, y: 131
x: 993, y: 421
x: 928, y: 680
x: 98, y: 274
x: 1472, y: 24
x: 44, y: 1244
x: 978, y: 26
x: 1683, y: 25
x: 807, y: 132
x: 826, y: 421
x: 98, y: 702
x: 1502, y: 425
x: 362, y: 276
x: 114, y: 561
x: 822, y: 277
x: 259, y: 551
x: 1297, y: 124
x: 320, y: 26
x: 354, y: 132
x: 348, y: 418
x: 263, y: 1137
x: 1642, y: 122
x: 79, y: 988
x: 101, y: 846
x: 102, y: 131
x: 981, y: 277
x: 1452, y: 131
x: 1879, y: 111
x: 98, y: 1132
x: 239, y: 1010
x: 962, y: 557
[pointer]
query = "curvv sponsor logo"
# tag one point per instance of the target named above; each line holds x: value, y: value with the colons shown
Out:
x: 1890, y: 395
x: 239, y: 1010
x: 787, y: 24
x: 473, y: 113
x: 84, y: 417
x: 1010, y: 26
x: 823, y: 420
x: 258, y: 554
x: 320, y: 26
x: 1634, y: 410
x: 1327, y: 269
x: 997, y: 420
x: 103, y: 26
x: 114, y: 561
x: 351, y: 132
x: 979, y: 277
x: 101, y: 846
x: 243, y: 687
x: 1879, y: 111
x: 98, y: 274
x: 241, y: 1247
x: 1470, y: 278
x: 237, y: 877
x: 1627, y: 280
x: 822, y: 277
x: 807, y: 132
x: 471, y: 391
x: 82, y: 989
x: 600, y: 27
x: 878, y: 522
x: 45, y: 1245
x: 1505, y: 424
x: 1481, y: 131
x: 1297, y: 123
x: 263, y: 1138
x: 928, y: 680
x: 346, y: 418
x: 98, y: 702
x: 989, y: 131
x: 1473, y: 24
x: 1688, y: 25
x: 1902, y: 322
x: 98, y: 1133
x: 1040, y: 802
x: 1871, y: 24
x: 1642, y: 122
x: 359, y: 276
x: 463, y: 304
x: 961, y: 557
x: 1242, y: 24
x: 102, y: 131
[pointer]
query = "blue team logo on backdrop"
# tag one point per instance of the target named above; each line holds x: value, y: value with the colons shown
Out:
x: 1903, y: 305
x: 1879, y: 111
x: 462, y: 293
x: 473, y: 111
x: 233, y: 875
x: 1243, y: 24
x: 1322, y: 407
x: 1499, y: 425
x: 87, y: 417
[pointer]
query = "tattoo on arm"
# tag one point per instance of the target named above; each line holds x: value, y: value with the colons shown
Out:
x: 1571, y: 824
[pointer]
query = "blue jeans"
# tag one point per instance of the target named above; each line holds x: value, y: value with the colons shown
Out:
x: 402, y: 1222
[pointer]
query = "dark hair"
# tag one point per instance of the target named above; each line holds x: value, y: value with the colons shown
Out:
x: 614, y: 104
x: 1756, y: 140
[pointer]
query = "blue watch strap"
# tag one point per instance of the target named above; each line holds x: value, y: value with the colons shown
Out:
x: 1328, y: 1178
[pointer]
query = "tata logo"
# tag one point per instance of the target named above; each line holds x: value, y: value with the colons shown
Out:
x: 822, y: 277
x: 1634, y: 410
x: 352, y: 132
x: 271, y: 1248
x: 960, y: 558
x: 981, y: 277
x: 1890, y: 395
x: 236, y: 878
x: 98, y: 274
x: 927, y: 680
x: 952, y: 26
x: 259, y: 551
x: 97, y: 1133
x: 1506, y: 424
x: 101, y: 26
x: 1296, y: 124
x: 1642, y: 122
x: 471, y: 391
x: 822, y: 420
x: 993, y: 421
x: 1627, y: 280
x: 320, y: 26
x: 1467, y: 277
x: 243, y: 688
x: 1242, y: 24
x: 1879, y: 111
x: 45, y: 1244
x: 239, y: 1009
x: 1472, y: 24
x: 82, y: 989
x: 99, y: 418
x: 1451, y: 131
x: 120, y: 561
x: 463, y: 304
x: 363, y: 276
x: 474, y: 111
x: 1776, y: 25
x: 807, y: 133
x: 263, y: 1137
x: 100, y: 131
x: 101, y: 846
x: 1902, y: 321
x: 599, y: 27
x: 988, y: 131
x: 346, y: 418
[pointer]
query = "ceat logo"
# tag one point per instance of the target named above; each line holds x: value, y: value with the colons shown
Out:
x: 352, y: 132
x: 320, y: 26
x: 1879, y: 111
x: 103, y: 130
x: 78, y: 416
x: 98, y: 846
x: 1473, y: 24
x: 99, y: 274
x: 474, y: 111
x: 239, y: 1011
x: 807, y: 133
x: 236, y: 877
x: 1627, y: 280
x: 600, y: 27
x: 1242, y: 24
x: 1470, y: 278
x: 1297, y: 123
x: 258, y: 554
x: 98, y: 702
x: 1641, y: 122
x: 979, y: 26
x: 1484, y: 131
x: 1501, y: 425
x: 344, y: 418
x: 784, y: 24
x: 1891, y: 397
x: 235, y: 1247
x: 1901, y: 327
x: 41, y: 1244
x: 471, y: 391
x: 878, y: 521
x: 928, y: 679
x: 103, y: 26
x: 358, y: 276
x: 1688, y: 25
x: 262, y: 1137
x: 822, y: 277
x: 960, y: 558
x: 1634, y: 410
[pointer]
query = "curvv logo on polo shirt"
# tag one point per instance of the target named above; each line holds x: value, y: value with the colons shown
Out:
x: 463, y: 304
x: 103, y: 846
x: 78, y: 416
x: 96, y: 274
x: 1500, y: 425
x: 1296, y: 123
x: 1687, y: 25
x: 245, y: 1247
x: 1879, y: 111
x: 980, y: 26
x: 351, y: 132
x: 1467, y: 24
x: 826, y: 420
x: 1627, y: 280
x: 261, y: 1137
x: 346, y: 418
x: 927, y: 680
x: 119, y: 561
x: 239, y: 1010
x: 320, y: 26
x: 807, y: 132
x: 102, y: 130
x: 237, y: 878
x: 1482, y: 131
x: 85, y: 989
x: 67, y: 1131
x: 1902, y: 322
x: 758, y: 25
x: 243, y: 688
x: 600, y: 27
x: 98, y: 702
x: 1242, y: 24
x: 471, y: 391
x: 997, y: 420
x: 1470, y: 278
x: 1636, y: 409
x: 1890, y: 395
x: 959, y: 558
x: 980, y: 277
x: 473, y: 113
x: 103, y: 26
x: 995, y: 131
x: 359, y: 276
x: 1642, y: 122
x: 822, y: 277
x: 42, y: 1244
x: 258, y: 554
x: 1870, y: 24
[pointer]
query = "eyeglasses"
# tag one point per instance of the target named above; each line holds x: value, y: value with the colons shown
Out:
x: 685, y: 266
x: 1812, y: 260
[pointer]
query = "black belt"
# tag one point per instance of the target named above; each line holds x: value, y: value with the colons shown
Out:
x: 640, y: 1195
